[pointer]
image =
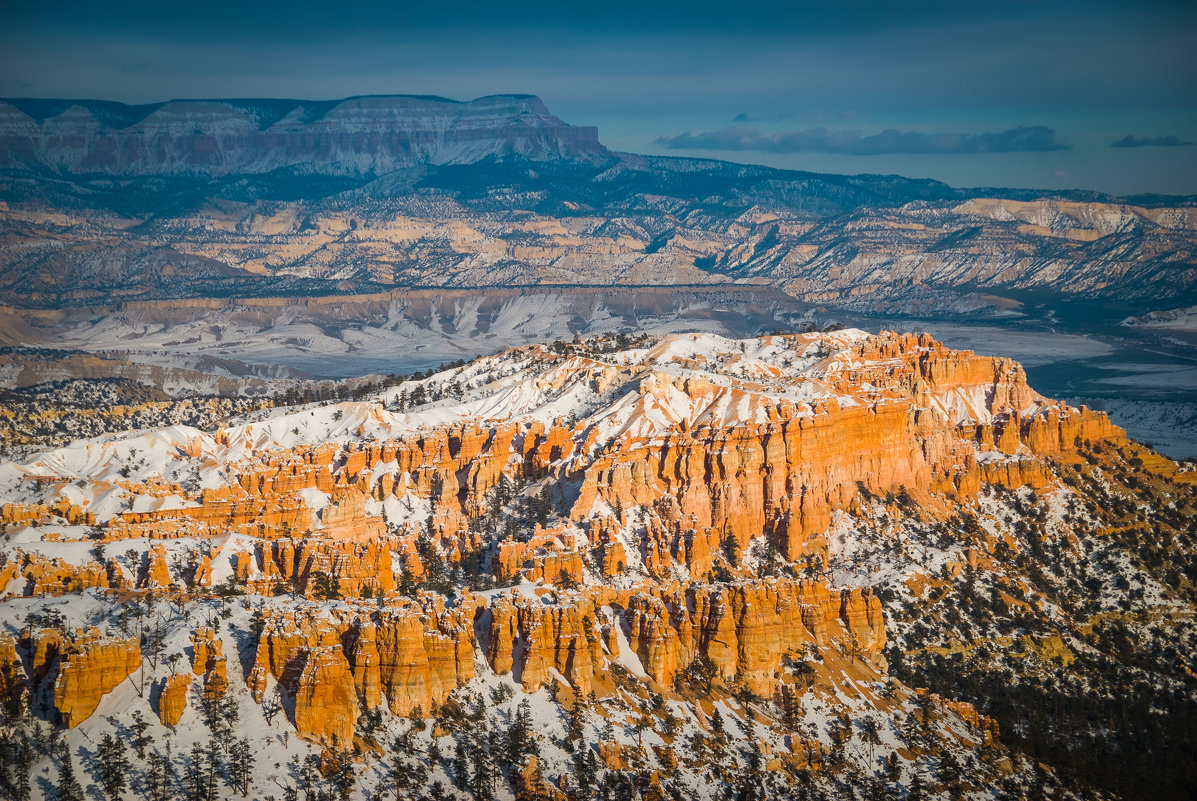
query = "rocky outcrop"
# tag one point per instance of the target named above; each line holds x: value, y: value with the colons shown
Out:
x: 529, y: 639
x: 172, y: 698
x: 745, y: 629
x: 412, y: 657
x: 326, y: 707
x: 57, y: 576
x: 154, y: 572
x: 89, y: 667
x: 13, y: 680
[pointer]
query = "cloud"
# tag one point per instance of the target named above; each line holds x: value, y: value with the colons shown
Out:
x: 1151, y: 141
x: 1033, y: 138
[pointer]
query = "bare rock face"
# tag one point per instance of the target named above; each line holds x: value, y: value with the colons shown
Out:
x: 361, y: 135
x: 154, y: 571
x: 172, y: 698
x: 205, y: 650
x: 564, y: 637
x: 412, y: 657
x: 89, y: 667
x: 12, y: 672
x: 326, y: 706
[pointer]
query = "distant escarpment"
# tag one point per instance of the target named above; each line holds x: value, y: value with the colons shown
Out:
x: 102, y: 202
x: 357, y: 136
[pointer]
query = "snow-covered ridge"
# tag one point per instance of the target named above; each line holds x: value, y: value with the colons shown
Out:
x: 647, y: 393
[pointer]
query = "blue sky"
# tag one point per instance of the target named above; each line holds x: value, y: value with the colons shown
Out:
x: 1002, y: 94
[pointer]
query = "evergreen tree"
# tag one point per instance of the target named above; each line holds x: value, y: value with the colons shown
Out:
x: 461, y: 770
x: 308, y: 775
x: 69, y: 788
x: 577, y: 717
x: 140, y: 739
x: 156, y: 787
x: 519, y: 741
x: 544, y: 506
x: 112, y: 766
x: 194, y: 784
x: 22, y: 765
x: 6, y: 777
x: 731, y: 549
x: 485, y: 771
x: 241, y: 765
x: 343, y: 778
x: 326, y: 587
x: 585, y: 772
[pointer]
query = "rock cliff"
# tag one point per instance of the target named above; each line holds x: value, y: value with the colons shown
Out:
x: 360, y: 135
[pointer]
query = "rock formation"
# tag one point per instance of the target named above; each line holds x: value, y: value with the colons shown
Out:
x: 90, y: 667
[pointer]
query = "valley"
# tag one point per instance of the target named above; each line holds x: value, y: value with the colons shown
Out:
x: 403, y: 447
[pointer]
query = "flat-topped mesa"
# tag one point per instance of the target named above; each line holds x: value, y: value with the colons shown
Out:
x: 356, y: 136
x: 704, y: 441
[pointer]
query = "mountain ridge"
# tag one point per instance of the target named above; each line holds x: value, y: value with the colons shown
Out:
x: 365, y: 134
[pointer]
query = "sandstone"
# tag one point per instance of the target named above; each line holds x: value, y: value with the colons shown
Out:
x: 326, y: 708
x: 172, y: 698
x: 89, y: 667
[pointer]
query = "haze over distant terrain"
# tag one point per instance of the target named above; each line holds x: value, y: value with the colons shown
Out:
x: 1019, y: 93
x: 220, y: 234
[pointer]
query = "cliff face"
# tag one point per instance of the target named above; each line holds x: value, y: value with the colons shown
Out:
x: 712, y: 460
x: 411, y: 657
x: 687, y: 530
x: 361, y: 135
x: 89, y: 667
x: 744, y: 629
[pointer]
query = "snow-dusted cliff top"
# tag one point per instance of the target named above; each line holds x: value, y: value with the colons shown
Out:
x: 358, y: 135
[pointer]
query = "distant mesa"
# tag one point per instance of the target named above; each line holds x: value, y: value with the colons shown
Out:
x: 355, y: 136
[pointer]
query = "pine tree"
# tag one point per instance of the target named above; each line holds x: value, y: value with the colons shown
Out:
x: 112, y: 766
x: 156, y: 780
x: 326, y: 587
x: 343, y: 778
x: 6, y: 777
x: 69, y: 788
x: 585, y: 772
x: 577, y: 717
x: 194, y: 784
x: 241, y: 765
x: 308, y: 775
x: 461, y: 771
x: 520, y: 742
x: 731, y: 549
x: 485, y: 771
x: 23, y: 764
x: 140, y: 739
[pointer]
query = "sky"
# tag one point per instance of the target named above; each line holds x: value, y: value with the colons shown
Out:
x: 1052, y: 95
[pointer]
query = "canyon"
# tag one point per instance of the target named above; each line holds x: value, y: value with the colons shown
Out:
x: 684, y: 535
x: 397, y: 446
